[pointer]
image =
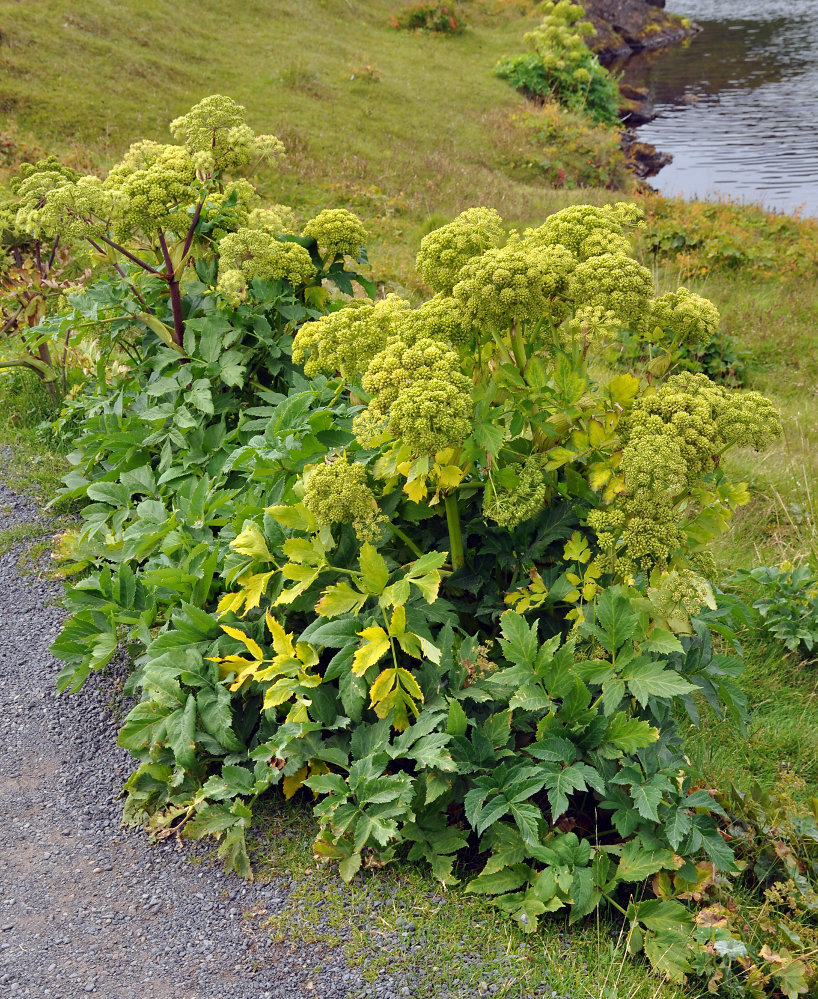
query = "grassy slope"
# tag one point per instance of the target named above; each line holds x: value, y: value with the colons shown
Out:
x: 406, y: 152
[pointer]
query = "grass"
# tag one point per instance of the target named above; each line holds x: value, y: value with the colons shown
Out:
x: 398, y: 923
x: 406, y: 130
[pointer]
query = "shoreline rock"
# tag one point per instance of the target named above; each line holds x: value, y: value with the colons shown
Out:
x: 643, y: 159
x: 624, y: 27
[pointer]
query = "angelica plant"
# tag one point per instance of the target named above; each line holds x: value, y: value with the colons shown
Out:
x: 36, y: 271
x: 485, y: 399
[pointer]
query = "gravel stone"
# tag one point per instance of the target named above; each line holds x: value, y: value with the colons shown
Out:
x: 91, y: 908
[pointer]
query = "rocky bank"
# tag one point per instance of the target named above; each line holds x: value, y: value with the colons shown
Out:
x: 624, y: 27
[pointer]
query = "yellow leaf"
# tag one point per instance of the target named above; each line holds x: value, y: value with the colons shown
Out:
x: 376, y: 645
x: 449, y: 476
x: 282, y: 641
x: 339, y: 599
x: 416, y: 490
x: 250, y: 541
x: 374, y: 573
x: 428, y: 585
x: 410, y: 644
x: 302, y: 550
x: 397, y: 626
x: 306, y: 655
x: 410, y: 684
x: 576, y: 550
x: 559, y: 456
x: 596, y: 434
x: 432, y: 652
x: 614, y: 488
x: 598, y: 476
x: 255, y: 588
x: 230, y: 602
x: 252, y: 647
x: 294, y: 782
x: 623, y: 389
x: 302, y: 575
x: 383, y: 685
x: 294, y: 515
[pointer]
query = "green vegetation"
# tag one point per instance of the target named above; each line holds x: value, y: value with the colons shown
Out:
x: 234, y: 428
x: 562, y: 68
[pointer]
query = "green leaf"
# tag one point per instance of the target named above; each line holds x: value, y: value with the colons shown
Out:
x: 519, y: 642
x: 637, y: 863
x: 457, y: 722
x: 677, y: 826
x: 509, y: 879
x: 647, y: 799
x: 662, y: 642
x: 181, y: 730
x: 630, y: 734
x: 792, y: 979
x: 651, y: 679
x: 350, y: 866
x: 616, y: 619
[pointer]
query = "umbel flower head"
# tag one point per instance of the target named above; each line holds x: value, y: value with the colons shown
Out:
x: 345, y: 341
x: 254, y: 253
x: 218, y: 139
x: 154, y: 186
x: 338, y: 232
x: 30, y: 188
x: 589, y: 231
x: 674, y: 436
x: 337, y: 492
x: 614, y: 283
x: 419, y: 395
x: 512, y: 283
x: 683, y: 316
x: 444, y: 252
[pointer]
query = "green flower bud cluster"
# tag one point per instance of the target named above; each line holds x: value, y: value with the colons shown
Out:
x: 684, y: 316
x: 588, y: 231
x: 254, y: 253
x: 615, y: 283
x: 680, y: 589
x: 218, y: 139
x: 591, y: 326
x: 338, y: 232
x: 346, y: 341
x: 509, y: 507
x: 673, y: 437
x: 75, y: 211
x: 274, y: 220
x: 515, y: 282
x: 155, y: 194
x: 442, y: 318
x: 31, y: 188
x: 419, y: 395
x: 230, y: 208
x: 444, y: 252
x: 338, y: 493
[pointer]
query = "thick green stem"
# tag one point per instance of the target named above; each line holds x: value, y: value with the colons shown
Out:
x: 406, y: 540
x: 518, y: 346
x: 455, y: 532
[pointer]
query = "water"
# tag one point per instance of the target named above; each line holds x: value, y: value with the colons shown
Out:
x: 738, y: 105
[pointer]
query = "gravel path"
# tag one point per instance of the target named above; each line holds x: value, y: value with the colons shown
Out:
x: 85, y: 907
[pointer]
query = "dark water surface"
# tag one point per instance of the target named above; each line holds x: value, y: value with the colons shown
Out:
x: 739, y: 104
